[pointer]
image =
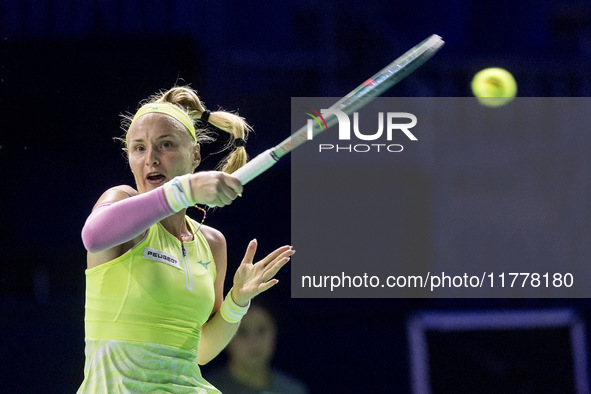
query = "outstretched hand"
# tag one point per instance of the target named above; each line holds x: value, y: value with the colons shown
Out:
x: 252, y: 279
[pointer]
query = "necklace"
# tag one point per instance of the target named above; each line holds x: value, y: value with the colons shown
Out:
x: 189, y: 237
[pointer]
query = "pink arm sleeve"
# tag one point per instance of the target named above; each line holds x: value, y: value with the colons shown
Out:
x: 112, y: 224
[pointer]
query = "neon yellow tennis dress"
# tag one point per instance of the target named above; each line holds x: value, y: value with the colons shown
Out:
x: 144, y: 312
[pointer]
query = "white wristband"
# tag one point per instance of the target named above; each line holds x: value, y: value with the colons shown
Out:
x: 232, y: 312
x: 178, y: 193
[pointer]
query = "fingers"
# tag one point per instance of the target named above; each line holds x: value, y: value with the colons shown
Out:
x: 272, y: 269
x: 215, y: 188
x: 225, y: 195
x: 266, y: 286
x: 250, y: 252
x: 252, y: 279
x: 284, y: 251
x: 228, y: 189
x: 234, y: 184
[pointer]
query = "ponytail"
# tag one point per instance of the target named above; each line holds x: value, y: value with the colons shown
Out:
x: 186, y: 99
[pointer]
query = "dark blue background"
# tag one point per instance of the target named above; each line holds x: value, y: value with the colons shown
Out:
x: 69, y: 68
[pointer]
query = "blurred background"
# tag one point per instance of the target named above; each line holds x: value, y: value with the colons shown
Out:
x: 68, y: 69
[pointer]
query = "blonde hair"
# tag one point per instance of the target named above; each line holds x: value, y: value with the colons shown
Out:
x: 186, y: 99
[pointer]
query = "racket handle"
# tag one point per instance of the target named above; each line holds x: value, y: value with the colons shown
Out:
x: 256, y: 166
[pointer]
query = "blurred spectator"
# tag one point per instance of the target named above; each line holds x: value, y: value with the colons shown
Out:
x: 249, y: 369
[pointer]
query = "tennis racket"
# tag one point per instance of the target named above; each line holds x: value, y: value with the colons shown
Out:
x: 359, y: 97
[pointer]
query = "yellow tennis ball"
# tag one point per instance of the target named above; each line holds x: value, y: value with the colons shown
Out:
x: 494, y: 87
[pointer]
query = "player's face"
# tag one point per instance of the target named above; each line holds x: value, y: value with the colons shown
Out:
x: 254, y: 342
x: 160, y: 148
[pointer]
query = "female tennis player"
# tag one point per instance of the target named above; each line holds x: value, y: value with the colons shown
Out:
x: 154, y: 304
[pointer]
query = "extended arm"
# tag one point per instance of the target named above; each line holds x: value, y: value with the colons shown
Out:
x: 115, y: 222
x: 117, y: 219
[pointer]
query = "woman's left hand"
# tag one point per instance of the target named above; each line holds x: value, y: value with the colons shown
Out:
x: 252, y: 279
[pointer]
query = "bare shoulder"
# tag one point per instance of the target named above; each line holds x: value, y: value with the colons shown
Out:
x: 215, y: 238
x: 116, y: 193
x: 130, y: 191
